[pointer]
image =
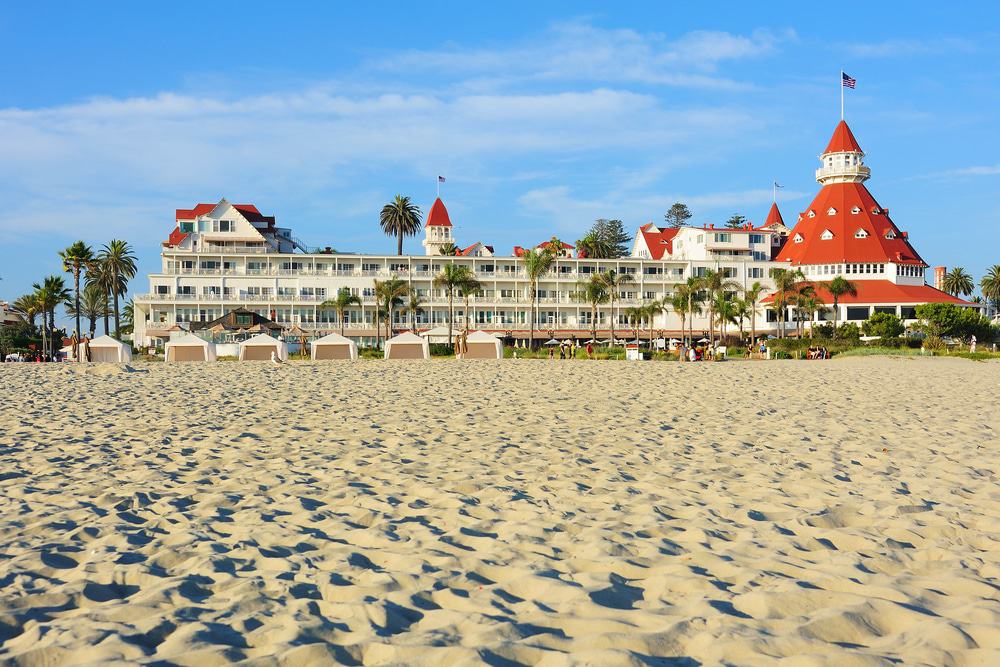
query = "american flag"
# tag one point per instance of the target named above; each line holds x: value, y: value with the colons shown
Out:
x: 848, y: 81
x: 440, y: 179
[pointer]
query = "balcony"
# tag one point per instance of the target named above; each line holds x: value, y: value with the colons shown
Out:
x: 857, y: 172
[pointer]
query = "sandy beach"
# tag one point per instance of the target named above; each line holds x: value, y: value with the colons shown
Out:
x: 503, y: 513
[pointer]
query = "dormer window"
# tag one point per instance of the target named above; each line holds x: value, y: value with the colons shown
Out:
x: 831, y: 211
x: 798, y: 238
x: 812, y: 213
x: 856, y: 210
x: 826, y: 235
x: 889, y: 234
x: 876, y: 210
x: 861, y: 234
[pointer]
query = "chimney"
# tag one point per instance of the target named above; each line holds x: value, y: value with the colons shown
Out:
x: 939, y: 274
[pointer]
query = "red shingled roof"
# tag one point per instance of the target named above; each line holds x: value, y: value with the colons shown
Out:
x: 774, y: 216
x: 658, y: 241
x: 882, y: 242
x: 843, y: 140
x: 875, y: 292
x: 438, y: 215
x: 192, y: 213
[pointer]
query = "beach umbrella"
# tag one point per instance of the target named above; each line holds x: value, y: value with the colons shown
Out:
x: 551, y: 341
x: 591, y: 341
x: 702, y: 340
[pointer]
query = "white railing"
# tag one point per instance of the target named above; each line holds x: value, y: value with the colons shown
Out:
x: 852, y: 170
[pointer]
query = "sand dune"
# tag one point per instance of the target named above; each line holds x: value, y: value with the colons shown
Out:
x: 506, y: 513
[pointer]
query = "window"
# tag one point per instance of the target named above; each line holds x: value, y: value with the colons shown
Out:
x: 798, y: 238
x: 908, y: 312
x: 861, y: 234
x: 811, y: 214
x: 205, y: 226
x: 723, y: 238
x: 857, y: 313
x: 211, y: 290
x: 755, y: 272
x: 885, y: 309
x: 226, y: 225
x: 162, y: 289
x: 186, y: 289
x: 855, y: 210
x: 889, y: 234
x: 831, y: 211
x: 826, y: 235
x: 756, y: 238
x: 187, y: 227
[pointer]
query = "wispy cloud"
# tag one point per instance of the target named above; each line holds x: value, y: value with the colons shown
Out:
x: 899, y: 48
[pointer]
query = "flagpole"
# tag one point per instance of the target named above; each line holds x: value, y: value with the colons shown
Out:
x: 439, y: 185
x: 841, y: 94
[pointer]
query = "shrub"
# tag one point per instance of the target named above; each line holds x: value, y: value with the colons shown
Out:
x: 934, y: 343
x: 824, y: 330
x: 848, y: 331
x: 947, y: 319
x: 884, y: 325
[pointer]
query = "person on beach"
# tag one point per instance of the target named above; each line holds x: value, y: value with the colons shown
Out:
x: 972, y: 345
x: 590, y: 350
x: 274, y: 358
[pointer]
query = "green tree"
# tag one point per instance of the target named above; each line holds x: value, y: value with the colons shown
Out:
x: 399, y: 218
x: 614, y: 282
x: 75, y: 259
x: 341, y: 304
x: 677, y: 215
x: 653, y: 308
x: 990, y: 285
x: 414, y: 305
x: 949, y: 319
x: 392, y: 293
x: 786, y: 282
x: 100, y: 278
x: 595, y: 292
x: 117, y: 260
x: 48, y: 294
x: 679, y: 302
x: 450, y: 279
x: 27, y: 306
x: 958, y: 283
x: 449, y: 249
x: 837, y: 288
x: 716, y: 283
x: 736, y: 221
x: 536, y: 263
x: 93, y: 304
x: 883, y: 325
x: 751, y: 296
x: 469, y: 286
x: 128, y: 317
x: 606, y: 239
x: 809, y: 303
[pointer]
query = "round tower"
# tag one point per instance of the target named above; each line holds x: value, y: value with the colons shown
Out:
x: 843, y: 159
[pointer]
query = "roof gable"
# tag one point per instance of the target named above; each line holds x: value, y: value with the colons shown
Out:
x: 438, y: 215
x: 843, y: 140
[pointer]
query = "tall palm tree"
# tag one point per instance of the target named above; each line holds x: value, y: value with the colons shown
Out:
x: 723, y: 307
x: 118, y: 261
x: 469, y: 286
x: 811, y: 304
x: 615, y: 281
x: 786, y: 287
x: 990, y: 285
x: 27, y: 306
x: 679, y: 302
x: 838, y: 287
x: 50, y: 293
x: 716, y: 284
x: 93, y: 304
x: 76, y: 258
x: 343, y: 301
x: 634, y: 315
x: 393, y: 292
x: 450, y: 279
x: 128, y: 317
x: 958, y: 283
x: 804, y: 291
x: 595, y: 292
x: 399, y: 218
x: 741, y: 312
x: 536, y: 263
x: 751, y: 297
x: 449, y: 249
x: 414, y: 305
x: 653, y: 308
x: 692, y: 293
x: 98, y: 276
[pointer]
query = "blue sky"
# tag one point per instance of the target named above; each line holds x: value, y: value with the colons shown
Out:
x: 542, y: 116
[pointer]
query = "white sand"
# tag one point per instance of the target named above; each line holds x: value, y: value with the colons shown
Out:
x: 518, y: 512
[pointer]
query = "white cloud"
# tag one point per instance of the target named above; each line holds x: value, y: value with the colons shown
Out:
x: 898, y: 48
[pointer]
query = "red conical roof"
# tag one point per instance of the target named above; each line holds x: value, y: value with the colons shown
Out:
x: 843, y: 140
x: 438, y: 216
x: 859, y: 231
x: 774, y: 216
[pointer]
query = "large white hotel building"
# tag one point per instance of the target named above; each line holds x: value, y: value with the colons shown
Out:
x: 224, y: 256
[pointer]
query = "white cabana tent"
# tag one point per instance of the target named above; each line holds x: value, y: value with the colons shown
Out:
x: 334, y: 346
x: 481, y: 345
x: 439, y: 334
x: 106, y: 348
x: 407, y: 346
x: 260, y: 347
x: 188, y: 347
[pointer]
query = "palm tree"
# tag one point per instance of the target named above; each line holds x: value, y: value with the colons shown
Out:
x: 653, y: 308
x: 93, y: 304
x: 679, y: 302
x: 990, y: 285
x: 27, y: 306
x: 741, y: 311
x: 128, y: 317
x: 400, y: 218
x: 469, y: 286
x: 343, y: 301
x: 76, y: 258
x: 50, y: 293
x: 958, y: 282
x: 536, y: 262
x: 614, y: 282
x: 716, y: 284
x: 751, y: 297
x: 811, y: 304
x: 723, y: 307
x: 634, y: 316
x: 451, y: 278
x: 838, y: 287
x: 786, y: 286
x: 100, y: 278
x: 595, y: 292
x: 449, y: 249
x: 414, y: 305
x: 804, y: 291
x: 118, y: 261
x: 393, y: 292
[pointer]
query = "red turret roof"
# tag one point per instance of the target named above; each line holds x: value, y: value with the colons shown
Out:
x: 658, y: 241
x: 843, y: 140
x: 774, y: 216
x: 874, y: 292
x: 438, y: 216
x: 847, y: 211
